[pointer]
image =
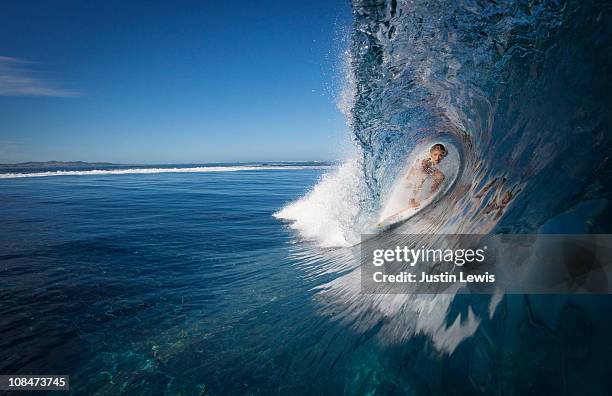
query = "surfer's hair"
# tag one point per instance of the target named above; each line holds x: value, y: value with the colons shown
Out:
x: 440, y: 147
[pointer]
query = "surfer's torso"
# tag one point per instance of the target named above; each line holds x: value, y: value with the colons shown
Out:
x: 428, y: 167
x: 424, y: 179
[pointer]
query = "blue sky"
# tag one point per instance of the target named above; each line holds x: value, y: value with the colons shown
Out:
x: 156, y: 82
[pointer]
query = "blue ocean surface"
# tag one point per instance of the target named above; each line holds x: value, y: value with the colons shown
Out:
x: 185, y: 283
x: 170, y: 283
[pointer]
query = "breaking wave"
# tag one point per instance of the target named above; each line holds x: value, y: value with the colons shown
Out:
x: 521, y: 89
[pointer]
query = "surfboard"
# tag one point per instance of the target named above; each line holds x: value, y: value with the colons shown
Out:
x: 389, y: 221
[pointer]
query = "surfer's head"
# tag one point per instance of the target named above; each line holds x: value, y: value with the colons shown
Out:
x: 437, y: 152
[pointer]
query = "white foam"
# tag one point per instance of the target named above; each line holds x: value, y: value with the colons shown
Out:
x: 129, y: 171
x: 328, y: 212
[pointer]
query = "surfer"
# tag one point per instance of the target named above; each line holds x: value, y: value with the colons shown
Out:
x: 423, y: 170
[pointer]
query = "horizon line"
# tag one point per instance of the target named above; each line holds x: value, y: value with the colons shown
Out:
x: 162, y: 163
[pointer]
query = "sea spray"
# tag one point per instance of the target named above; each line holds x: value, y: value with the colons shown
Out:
x: 327, y: 213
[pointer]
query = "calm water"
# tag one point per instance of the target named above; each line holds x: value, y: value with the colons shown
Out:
x: 186, y: 284
x: 153, y: 283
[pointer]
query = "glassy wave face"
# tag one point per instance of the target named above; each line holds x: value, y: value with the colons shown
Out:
x: 521, y: 89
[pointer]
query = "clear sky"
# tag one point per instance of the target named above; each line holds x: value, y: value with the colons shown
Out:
x: 157, y: 82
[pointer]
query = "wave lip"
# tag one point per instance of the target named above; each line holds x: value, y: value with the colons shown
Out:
x: 135, y: 171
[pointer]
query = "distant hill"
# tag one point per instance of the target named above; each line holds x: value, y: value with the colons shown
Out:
x: 49, y: 164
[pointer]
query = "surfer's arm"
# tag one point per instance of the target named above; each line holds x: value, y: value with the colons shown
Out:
x: 438, y: 179
x: 411, y: 174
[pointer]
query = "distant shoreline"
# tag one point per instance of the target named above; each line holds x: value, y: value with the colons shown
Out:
x: 45, y: 164
x: 84, y: 164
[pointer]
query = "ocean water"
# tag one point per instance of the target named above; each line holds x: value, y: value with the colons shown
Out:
x: 186, y: 283
x: 165, y: 283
